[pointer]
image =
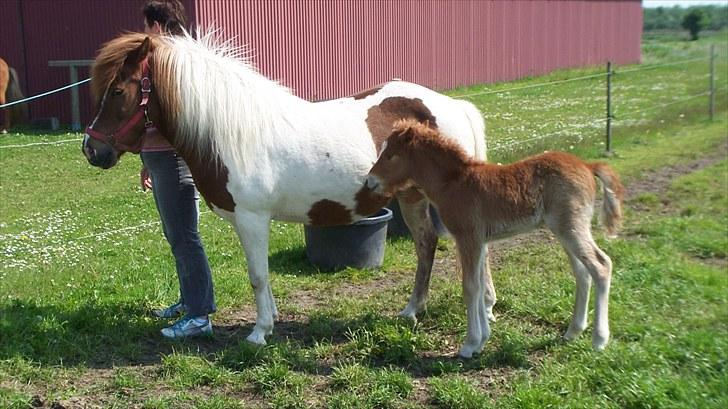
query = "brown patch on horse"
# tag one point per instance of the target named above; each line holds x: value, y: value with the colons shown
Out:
x: 381, y: 118
x: 329, y: 213
x: 367, y: 93
x: 211, y: 178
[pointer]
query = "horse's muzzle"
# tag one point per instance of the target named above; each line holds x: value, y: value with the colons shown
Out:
x: 102, y: 158
x: 372, y: 183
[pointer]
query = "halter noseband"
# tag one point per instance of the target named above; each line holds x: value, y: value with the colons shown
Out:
x: 117, y: 139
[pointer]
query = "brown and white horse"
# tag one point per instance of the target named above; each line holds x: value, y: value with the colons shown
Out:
x: 257, y: 152
x: 480, y: 202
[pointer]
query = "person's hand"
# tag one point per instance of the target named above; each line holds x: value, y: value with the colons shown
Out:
x: 144, y: 179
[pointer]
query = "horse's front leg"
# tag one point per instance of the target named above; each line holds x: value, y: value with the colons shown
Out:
x: 414, y: 211
x: 472, y: 256
x: 253, y: 230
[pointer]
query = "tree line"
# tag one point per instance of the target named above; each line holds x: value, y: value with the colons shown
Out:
x: 672, y: 18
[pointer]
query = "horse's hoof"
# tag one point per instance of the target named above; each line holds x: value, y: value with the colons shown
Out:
x: 467, y: 351
x: 572, y: 333
x: 599, y: 342
x: 409, y: 313
x: 256, y: 338
x: 4, y: 132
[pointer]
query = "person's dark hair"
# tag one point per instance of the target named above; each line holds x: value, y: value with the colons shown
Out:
x: 170, y: 14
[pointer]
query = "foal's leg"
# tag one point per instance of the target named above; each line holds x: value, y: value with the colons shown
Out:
x: 580, y: 244
x: 490, y: 297
x: 472, y: 257
x: 414, y: 212
x: 253, y: 230
x: 487, y: 298
x: 583, y: 284
x: 600, y: 267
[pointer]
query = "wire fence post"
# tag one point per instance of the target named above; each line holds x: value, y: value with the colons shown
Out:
x: 609, y: 106
x: 711, y: 100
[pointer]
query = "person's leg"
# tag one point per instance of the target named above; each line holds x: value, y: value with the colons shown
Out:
x: 178, y: 204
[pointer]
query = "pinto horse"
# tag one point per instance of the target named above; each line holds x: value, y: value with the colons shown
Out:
x: 480, y: 202
x: 10, y: 91
x: 257, y: 152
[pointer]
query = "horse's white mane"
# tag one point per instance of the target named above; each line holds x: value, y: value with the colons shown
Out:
x: 226, y: 107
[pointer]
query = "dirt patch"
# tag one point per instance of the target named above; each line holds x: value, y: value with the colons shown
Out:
x: 658, y: 181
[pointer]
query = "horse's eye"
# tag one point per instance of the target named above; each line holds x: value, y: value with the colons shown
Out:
x: 118, y: 91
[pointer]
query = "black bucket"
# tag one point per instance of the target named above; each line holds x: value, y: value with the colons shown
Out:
x: 359, y: 245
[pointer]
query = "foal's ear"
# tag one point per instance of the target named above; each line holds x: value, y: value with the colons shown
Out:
x: 135, y: 57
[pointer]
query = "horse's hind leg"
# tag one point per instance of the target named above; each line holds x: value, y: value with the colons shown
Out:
x: 579, y: 243
x: 600, y: 268
x: 583, y: 284
x: 7, y: 113
x: 253, y: 230
x: 414, y: 211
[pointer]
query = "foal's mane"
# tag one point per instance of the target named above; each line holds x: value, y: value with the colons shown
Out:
x: 421, y: 137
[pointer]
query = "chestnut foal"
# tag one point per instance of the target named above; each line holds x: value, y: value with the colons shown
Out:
x: 480, y: 202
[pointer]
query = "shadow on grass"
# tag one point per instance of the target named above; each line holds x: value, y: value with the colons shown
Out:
x: 102, y: 336
x: 110, y: 335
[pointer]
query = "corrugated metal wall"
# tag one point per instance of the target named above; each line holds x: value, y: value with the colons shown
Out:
x: 327, y: 49
x: 62, y: 30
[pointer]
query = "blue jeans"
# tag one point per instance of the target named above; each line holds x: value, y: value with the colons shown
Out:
x: 178, y: 201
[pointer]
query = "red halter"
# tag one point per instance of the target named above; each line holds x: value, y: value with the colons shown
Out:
x: 117, y: 139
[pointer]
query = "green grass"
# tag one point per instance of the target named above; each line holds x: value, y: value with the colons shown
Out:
x: 74, y: 326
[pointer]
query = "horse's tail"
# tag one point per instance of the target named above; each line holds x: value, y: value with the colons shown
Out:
x: 477, y: 124
x: 14, y: 93
x: 613, y: 196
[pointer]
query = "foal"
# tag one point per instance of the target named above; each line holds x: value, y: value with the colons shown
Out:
x: 480, y: 202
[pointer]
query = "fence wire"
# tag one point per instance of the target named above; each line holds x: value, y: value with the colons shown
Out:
x: 499, y: 148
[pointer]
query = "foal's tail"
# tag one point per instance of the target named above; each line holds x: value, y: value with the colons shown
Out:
x: 613, y: 195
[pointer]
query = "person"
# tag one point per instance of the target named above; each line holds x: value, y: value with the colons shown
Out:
x: 177, y: 200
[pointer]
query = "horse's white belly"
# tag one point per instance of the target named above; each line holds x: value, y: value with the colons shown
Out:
x: 288, y: 182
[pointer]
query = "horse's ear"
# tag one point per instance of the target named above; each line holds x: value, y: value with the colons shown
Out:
x: 135, y: 57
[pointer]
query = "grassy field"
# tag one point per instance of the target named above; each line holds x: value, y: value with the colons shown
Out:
x: 82, y: 260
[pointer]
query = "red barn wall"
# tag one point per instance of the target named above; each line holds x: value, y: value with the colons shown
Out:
x: 327, y: 49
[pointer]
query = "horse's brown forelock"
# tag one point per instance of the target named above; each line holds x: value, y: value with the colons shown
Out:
x: 111, y: 58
